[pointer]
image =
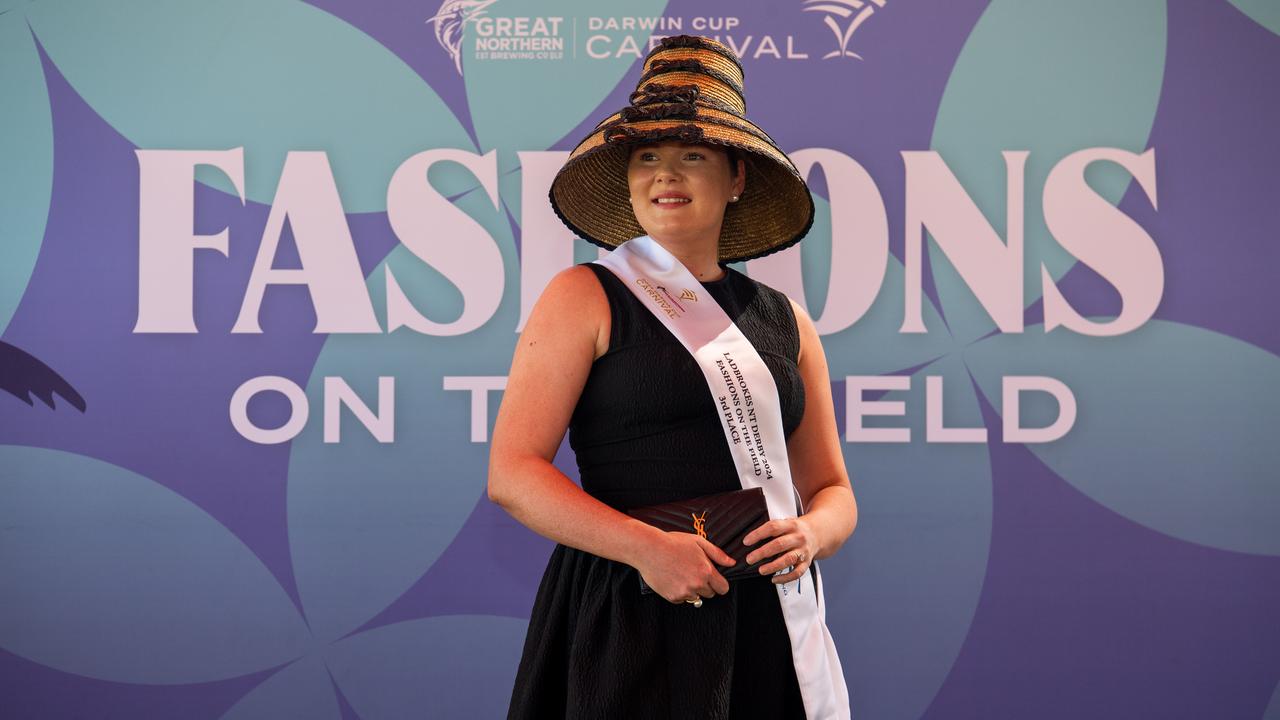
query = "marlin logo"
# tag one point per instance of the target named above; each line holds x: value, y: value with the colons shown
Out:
x: 451, y: 20
x: 845, y: 9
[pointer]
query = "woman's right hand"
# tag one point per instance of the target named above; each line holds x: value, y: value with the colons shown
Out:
x: 679, y: 567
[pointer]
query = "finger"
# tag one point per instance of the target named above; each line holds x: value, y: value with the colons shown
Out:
x: 793, y: 575
x: 770, y: 529
x: 786, y: 559
x: 719, y: 584
x: 762, y: 531
x: 774, y: 547
x: 692, y: 594
x: 715, y: 553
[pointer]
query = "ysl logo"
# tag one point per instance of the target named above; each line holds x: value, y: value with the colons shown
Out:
x: 699, y: 523
x: 845, y: 9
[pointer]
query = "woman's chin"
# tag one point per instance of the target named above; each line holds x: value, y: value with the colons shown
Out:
x: 678, y: 234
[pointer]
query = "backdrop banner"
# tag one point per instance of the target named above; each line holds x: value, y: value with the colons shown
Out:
x: 263, y: 264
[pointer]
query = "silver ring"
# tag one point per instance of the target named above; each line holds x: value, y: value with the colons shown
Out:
x: 696, y: 603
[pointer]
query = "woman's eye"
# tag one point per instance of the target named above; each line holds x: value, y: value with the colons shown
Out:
x: 694, y: 156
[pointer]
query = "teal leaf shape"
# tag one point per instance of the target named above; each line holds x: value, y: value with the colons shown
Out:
x: 1051, y: 78
x: 110, y: 575
x: 872, y: 345
x: 512, y: 190
x: 457, y: 666
x: 915, y: 566
x: 1175, y: 429
x: 815, y: 256
x: 26, y: 174
x: 269, y: 75
x: 367, y: 519
x: 300, y: 690
x: 1264, y: 12
x: 504, y: 93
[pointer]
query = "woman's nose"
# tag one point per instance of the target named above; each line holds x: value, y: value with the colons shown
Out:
x: 667, y: 169
x: 667, y: 172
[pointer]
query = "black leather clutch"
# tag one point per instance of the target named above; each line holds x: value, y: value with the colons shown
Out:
x: 723, y: 518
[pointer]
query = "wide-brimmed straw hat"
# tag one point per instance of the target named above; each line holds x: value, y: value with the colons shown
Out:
x: 690, y: 91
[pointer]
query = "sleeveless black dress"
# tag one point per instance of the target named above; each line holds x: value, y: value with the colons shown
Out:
x: 646, y: 431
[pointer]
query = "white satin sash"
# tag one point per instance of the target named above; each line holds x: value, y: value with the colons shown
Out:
x: 751, y: 416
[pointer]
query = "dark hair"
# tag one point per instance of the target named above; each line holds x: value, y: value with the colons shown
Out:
x: 734, y: 156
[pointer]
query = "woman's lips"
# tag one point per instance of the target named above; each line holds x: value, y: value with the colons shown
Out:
x: 671, y: 201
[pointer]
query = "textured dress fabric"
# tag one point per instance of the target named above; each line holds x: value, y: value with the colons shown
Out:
x: 646, y: 431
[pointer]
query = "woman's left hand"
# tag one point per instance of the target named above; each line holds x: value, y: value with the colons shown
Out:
x: 794, y: 544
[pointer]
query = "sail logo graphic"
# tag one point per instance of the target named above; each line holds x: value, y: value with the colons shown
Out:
x: 858, y: 10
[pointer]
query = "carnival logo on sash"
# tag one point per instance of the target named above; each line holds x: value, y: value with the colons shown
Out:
x: 845, y: 9
x: 664, y: 299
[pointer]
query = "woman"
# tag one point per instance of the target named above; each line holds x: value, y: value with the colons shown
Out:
x: 693, y: 182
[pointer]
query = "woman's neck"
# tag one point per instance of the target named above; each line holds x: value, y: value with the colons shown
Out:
x: 701, y: 259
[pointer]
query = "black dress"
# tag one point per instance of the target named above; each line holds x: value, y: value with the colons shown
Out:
x: 646, y: 431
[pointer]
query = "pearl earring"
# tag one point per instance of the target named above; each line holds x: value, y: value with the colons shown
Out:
x: 733, y: 199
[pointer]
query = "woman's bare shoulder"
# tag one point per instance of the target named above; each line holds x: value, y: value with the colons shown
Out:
x: 574, y: 302
x: 550, y: 366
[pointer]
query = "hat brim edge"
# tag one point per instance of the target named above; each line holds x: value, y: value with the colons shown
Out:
x: 789, y: 167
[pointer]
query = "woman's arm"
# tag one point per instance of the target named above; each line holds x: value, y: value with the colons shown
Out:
x: 567, y: 329
x: 817, y: 469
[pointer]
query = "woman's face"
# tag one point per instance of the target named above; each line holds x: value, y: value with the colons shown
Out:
x: 679, y: 192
